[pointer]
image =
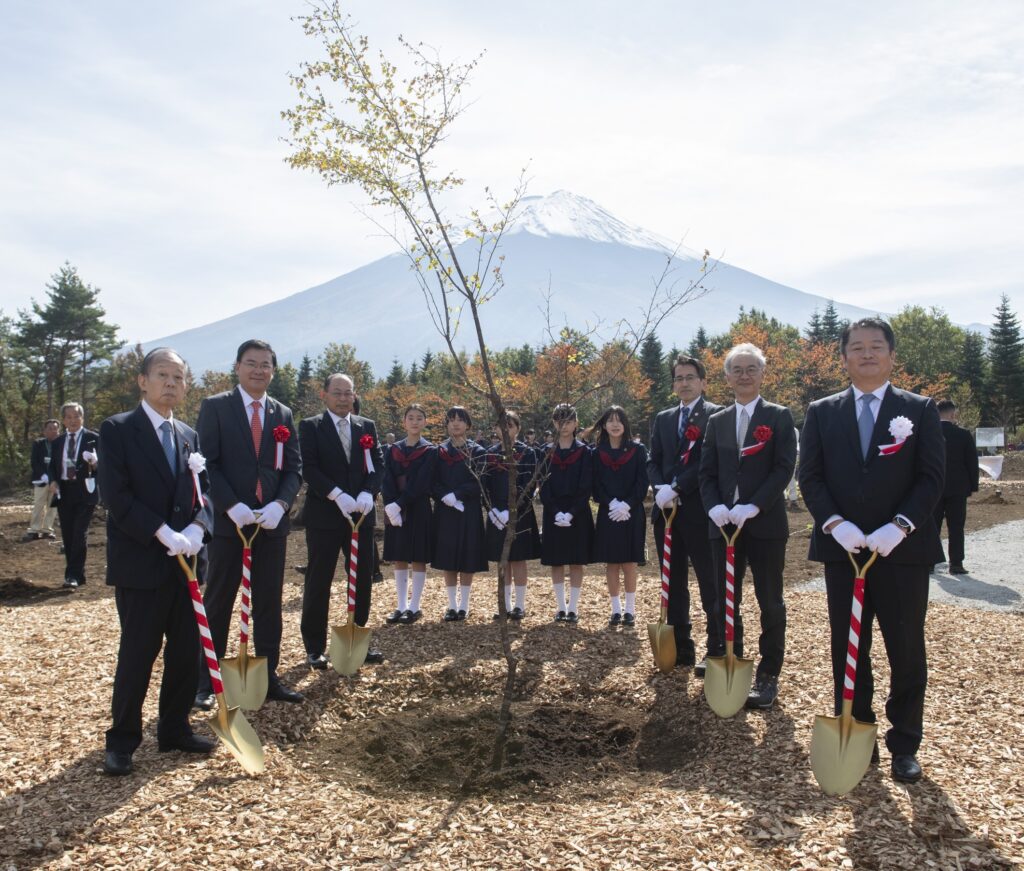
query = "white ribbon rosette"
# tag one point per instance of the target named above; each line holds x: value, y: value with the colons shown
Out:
x: 900, y: 428
x: 197, y: 465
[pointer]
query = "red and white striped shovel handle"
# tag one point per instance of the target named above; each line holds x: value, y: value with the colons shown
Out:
x: 856, y: 610
x: 204, y: 627
x: 666, y: 556
x: 353, y: 563
x: 246, y: 612
x: 730, y: 584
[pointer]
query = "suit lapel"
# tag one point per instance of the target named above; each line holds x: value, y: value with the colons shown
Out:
x: 271, y: 418
x: 848, y: 422
x: 729, y: 422
x: 184, y: 449
x: 890, y: 408
x: 331, y: 434
x: 150, y: 445
x: 241, y: 415
x: 758, y: 418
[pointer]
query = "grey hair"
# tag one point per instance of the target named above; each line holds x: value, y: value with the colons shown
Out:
x: 75, y: 405
x: 745, y: 348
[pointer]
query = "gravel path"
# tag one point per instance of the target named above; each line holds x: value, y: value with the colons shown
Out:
x: 995, y: 559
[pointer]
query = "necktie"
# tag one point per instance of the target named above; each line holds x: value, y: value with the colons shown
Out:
x: 257, y: 438
x: 741, y: 436
x: 168, y: 444
x: 684, y: 414
x: 70, y: 471
x: 866, y: 423
x: 346, y: 437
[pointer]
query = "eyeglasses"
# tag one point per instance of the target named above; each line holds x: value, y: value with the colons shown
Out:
x: 749, y: 371
x: 685, y: 379
x: 253, y: 366
x: 341, y: 394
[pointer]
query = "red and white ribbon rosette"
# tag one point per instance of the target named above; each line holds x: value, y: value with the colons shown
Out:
x: 763, y: 434
x: 197, y: 465
x: 692, y: 435
x: 900, y: 428
x: 281, y: 435
x: 366, y: 443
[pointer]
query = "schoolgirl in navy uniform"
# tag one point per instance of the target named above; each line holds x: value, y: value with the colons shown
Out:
x: 568, y: 524
x: 409, y: 467
x: 526, y: 543
x: 620, y: 485
x: 459, y: 545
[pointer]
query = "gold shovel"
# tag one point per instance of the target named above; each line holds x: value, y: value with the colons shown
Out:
x: 662, y: 635
x: 229, y: 724
x: 246, y: 678
x: 727, y: 679
x: 841, y: 747
x: 349, y: 643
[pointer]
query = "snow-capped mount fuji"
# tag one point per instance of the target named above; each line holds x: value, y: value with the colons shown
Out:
x: 597, y: 267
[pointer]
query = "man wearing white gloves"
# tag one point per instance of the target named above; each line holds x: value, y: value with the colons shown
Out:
x: 252, y: 454
x: 872, y: 464
x: 677, y: 440
x: 748, y: 460
x: 343, y: 465
x: 154, y: 514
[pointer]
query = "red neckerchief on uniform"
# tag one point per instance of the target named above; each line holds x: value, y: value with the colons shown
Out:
x: 611, y: 462
x: 449, y: 459
x: 569, y: 460
x: 398, y: 455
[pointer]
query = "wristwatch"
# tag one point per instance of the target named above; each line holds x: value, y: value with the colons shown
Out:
x: 903, y: 524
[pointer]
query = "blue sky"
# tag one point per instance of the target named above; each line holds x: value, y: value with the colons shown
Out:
x: 865, y: 153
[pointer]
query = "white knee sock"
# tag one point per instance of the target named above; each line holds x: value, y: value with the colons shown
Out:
x: 631, y: 603
x: 574, y: 599
x: 560, y: 595
x: 466, y: 590
x: 452, y: 602
x: 418, y: 580
x: 508, y: 597
x: 616, y: 604
x: 521, y: 597
x: 402, y: 588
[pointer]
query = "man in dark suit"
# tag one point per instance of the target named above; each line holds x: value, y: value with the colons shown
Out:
x: 43, y: 511
x: 73, y: 464
x: 961, y: 481
x: 748, y: 458
x: 255, y: 473
x: 342, y: 463
x: 872, y: 460
x: 673, y: 468
x: 154, y: 514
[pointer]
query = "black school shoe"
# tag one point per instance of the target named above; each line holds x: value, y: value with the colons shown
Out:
x: 450, y: 616
x: 560, y: 617
x: 516, y: 614
x: 614, y: 621
x: 572, y: 617
x: 628, y: 621
x: 461, y: 615
x: 395, y: 616
x: 410, y: 617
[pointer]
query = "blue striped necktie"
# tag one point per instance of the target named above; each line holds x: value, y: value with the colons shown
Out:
x: 168, y: 445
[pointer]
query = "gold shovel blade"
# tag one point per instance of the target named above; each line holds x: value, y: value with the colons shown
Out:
x: 348, y: 647
x: 246, y: 680
x: 841, y: 750
x: 234, y: 731
x: 663, y: 646
x: 727, y: 683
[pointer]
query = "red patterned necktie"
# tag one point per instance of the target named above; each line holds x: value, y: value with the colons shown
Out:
x: 257, y: 437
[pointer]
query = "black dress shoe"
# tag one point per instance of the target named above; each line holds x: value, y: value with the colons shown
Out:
x: 957, y: 570
x: 71, y: 583
x: 188, y: 744
x: 461, y: 615
x: 763, y: 694
x: 572, y: 617
x: 906, y: 768
x: 614, y: 620
x: 560, y: 617
x: 373, y: 657
x: 317, y: 661
x: 278, y: 692
x: 203, y: 701
x: 395, y: 616
x: 450, y: 616
x: 516, y: 614
x: 628, y: 620
x: 378, y: 576
x: 411, y: 617
x: 30, y: 536
x: 700, y: 669
x: 684, y: 657
x: 117, y: 764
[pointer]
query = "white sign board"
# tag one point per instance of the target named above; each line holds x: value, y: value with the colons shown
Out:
x: 989, y: 437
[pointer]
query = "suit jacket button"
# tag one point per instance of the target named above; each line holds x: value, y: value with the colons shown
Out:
x: 177, y: 509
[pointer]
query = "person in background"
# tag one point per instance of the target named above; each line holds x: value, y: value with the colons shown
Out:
x: 43, y: 512
x: 961, y: 481
x: 72, y: 472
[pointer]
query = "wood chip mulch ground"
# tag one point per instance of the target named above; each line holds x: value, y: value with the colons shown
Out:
x: 609, y: 765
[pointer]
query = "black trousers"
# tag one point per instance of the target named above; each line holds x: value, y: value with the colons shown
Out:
x: 221, y: 591
x: 954, y: 509
x: 75, y: 516
x: 147, y: 617
x: 323, y: 546
x: 767, y: 560
x: 898, y: 596
x: 689, y: 541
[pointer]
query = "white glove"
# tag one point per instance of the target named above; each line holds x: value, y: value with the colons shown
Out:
x: 563, y: 518
x: 394, y: 512
x: 740, y: 514
x: 194, y: 533
x: 270, y: 515
x: 43, y: 481
x: 364, y: 503
x: 719, y: 515
x: 458, y: 506
x: 885, y: 538
x: 849, y: 536
x: 346, y: 504
x: 175, y: 542
x: 664, y: 495
x: 495, y: 517
x: 241, y: 514
x: 618, y: 510
x: 449, y: 499
x: 503, y: 516
x: 90, y: 457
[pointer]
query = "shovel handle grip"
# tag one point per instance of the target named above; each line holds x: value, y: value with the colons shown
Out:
x: 246, y: 610
x: 730, y: 587
x: 666, y: 562
x: 204, y: 626
x: 353, y: 566
x: 856, y: 612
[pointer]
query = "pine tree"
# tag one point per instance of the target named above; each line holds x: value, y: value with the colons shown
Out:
x: 699, y: 343
x: 414, y: 373
x: 653, y: 369
x: 813, y: 331
x: 973, y: 364
x: 1005, y: 397
x: 832, y: 325
x: 425, y: 363
x: 397, y: 374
